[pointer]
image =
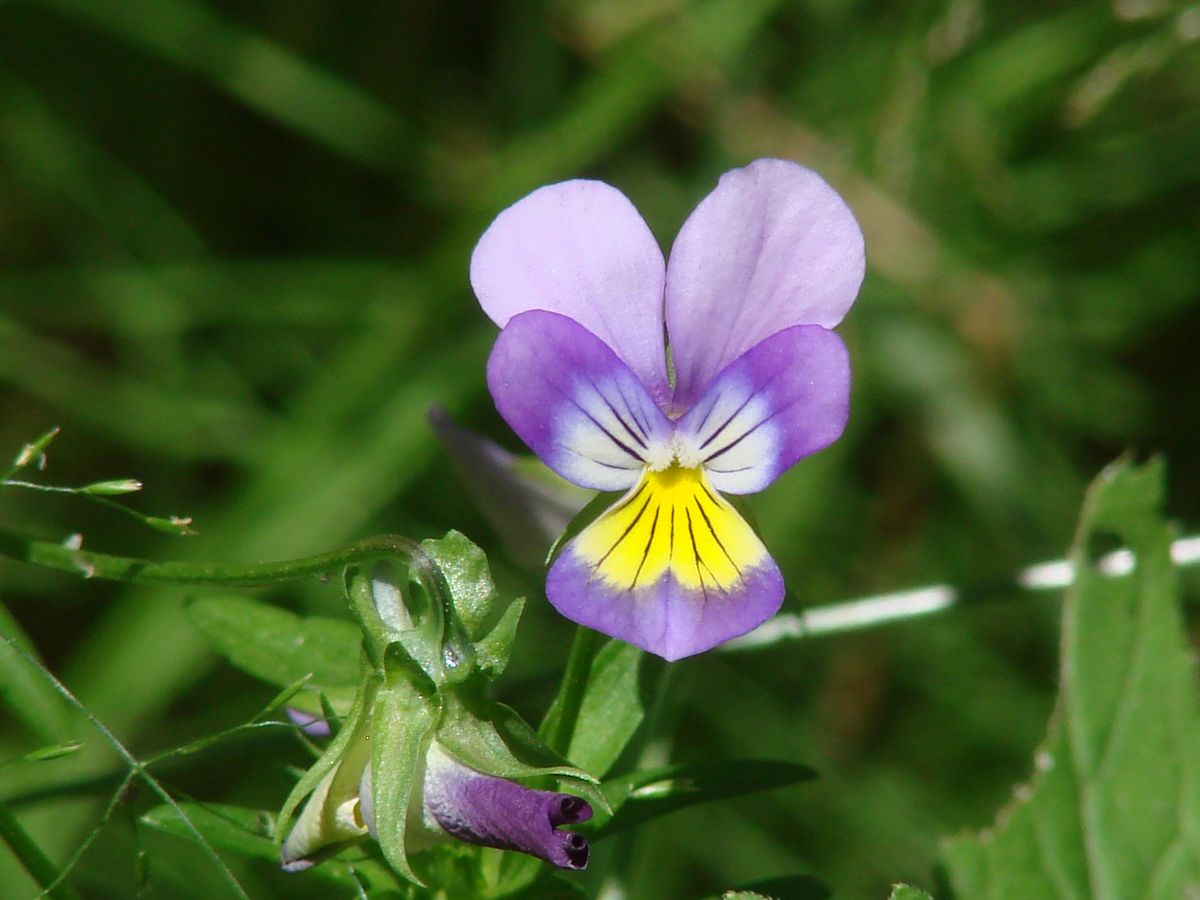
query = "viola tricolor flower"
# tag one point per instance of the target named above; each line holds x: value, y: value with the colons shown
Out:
x: 672, y: 382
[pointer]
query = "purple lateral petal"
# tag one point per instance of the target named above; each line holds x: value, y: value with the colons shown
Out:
x: 581, y: 249
x: 575, y: 404
x: 781, y: 400
x: 670, y: 567
x: 772, y: 246
x: 495, y: 812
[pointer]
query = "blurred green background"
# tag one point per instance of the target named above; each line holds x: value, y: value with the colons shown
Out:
x: 233, y: 253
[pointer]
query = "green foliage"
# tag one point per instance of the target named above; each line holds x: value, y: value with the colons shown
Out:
x: 465, y: 568
x: 648, y: 794
x: 612, y: 708
x: 246, y: 833
x: 24, y: 692
x: 277, y: 646
x: 1113, y: 809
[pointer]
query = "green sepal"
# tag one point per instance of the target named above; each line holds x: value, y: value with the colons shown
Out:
x: 465, y: 570
x: 401, y: 728
x: 375, y: 636
x: 331, y: 757
x: 399, y: 667
x: 493, y: 650
x: 492, y: 738
x: 388, y: 644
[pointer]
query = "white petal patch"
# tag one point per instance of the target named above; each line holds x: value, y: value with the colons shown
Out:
x: 609, y: 431
x: 731, y: 434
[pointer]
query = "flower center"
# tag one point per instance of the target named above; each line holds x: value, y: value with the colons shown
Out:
x: 676, y: 454
x: 674, y: 479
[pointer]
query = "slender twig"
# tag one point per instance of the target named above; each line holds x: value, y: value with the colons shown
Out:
x: 881, y: 609
x: 135, y: 765
x: 113, y: 802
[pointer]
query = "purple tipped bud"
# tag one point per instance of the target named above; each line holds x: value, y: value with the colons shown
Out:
x: 495, y: 812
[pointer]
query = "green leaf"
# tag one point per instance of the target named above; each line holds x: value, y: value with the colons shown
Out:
x: 1113, y: 807
x: 247, y: 832
x: 244, y: 831
x: 277, y: 646
x: 642, y: 796
x: 907, y: 892
x: 492, y: 738
x: 614, y: 704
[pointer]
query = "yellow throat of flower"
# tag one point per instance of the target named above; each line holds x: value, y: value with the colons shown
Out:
x: 671, y: 521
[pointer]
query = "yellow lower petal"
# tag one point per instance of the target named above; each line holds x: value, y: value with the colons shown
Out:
x: 671, y: 521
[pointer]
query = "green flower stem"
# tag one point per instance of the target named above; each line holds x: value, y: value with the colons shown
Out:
x: 141, y: 571
x: 558, y: 727
x: 32, y: 858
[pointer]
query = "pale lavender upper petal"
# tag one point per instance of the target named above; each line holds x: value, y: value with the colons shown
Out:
x: 494, y: 812
x: 771, y: 247
x: 573, y: 402
x: 579, y: 248
x: 781, y: 400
